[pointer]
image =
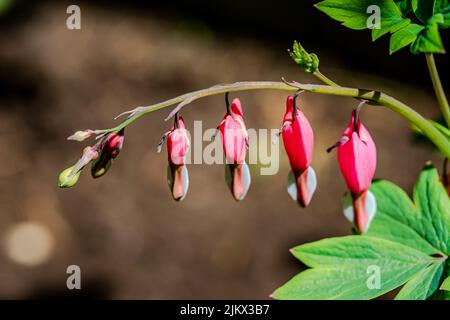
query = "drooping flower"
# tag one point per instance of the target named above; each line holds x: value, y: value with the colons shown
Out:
x: 298, y: 139
x: 357, y: 157
x: 109, y: 149
x: 235, y: 141
x: 178, y: 144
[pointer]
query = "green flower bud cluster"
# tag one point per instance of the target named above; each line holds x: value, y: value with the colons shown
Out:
x: 309, y: 62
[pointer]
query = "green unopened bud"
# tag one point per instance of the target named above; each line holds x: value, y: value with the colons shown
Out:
x: 66, y: 179
x: 309, y: 62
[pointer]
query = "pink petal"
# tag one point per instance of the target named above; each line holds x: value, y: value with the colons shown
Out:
x: 178, y: 181
x: 236, y: 108
x: 357, y: 160
x: 178, y: 144
x: 298, y: 139
x: 238, y: 179
x: 234, y: 139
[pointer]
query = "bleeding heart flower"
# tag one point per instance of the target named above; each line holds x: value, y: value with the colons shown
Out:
x: 357, y: 157
x: 109, y: 149
x: 178, y: 144
x: 298, y: 139
x: 235, y: 141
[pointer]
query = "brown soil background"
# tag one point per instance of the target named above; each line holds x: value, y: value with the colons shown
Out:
x: 124, y: 231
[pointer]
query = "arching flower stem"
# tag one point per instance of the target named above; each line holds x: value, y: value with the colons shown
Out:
x: 375, y: 97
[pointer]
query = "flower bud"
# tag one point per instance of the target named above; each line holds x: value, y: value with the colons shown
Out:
x: 109, y: 149
x: 234, y: 134
x: 309, y: 62
x: 67, y: 178
x: 101, y: 165
x: 298, y: 140
x: 357, y: 157
x: 234, y: 141
x: 81, y: 135
x: 178, y: 144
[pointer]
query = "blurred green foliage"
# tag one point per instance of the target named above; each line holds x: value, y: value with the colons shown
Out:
x: 5, y: 5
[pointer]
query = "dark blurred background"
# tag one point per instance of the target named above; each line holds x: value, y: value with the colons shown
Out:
x: 124, y: 231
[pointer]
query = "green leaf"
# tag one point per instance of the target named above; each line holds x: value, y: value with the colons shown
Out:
x: 404, y: 37
x: 440, y: 6
x: 342, y: 268
x: 423, y: 284
x: 425, y: 225
x: 407, y: 244
x: 423, y: 9
x: 405, y: 6
x: 352, y: 14
x: 397, y: 219
x: 377, y: 33
x: 442, y: 294
x: 443, y: 7
x: 429, y: 39
x: 445, y: 285
x: 356, y: 14
x: 433, y: 203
